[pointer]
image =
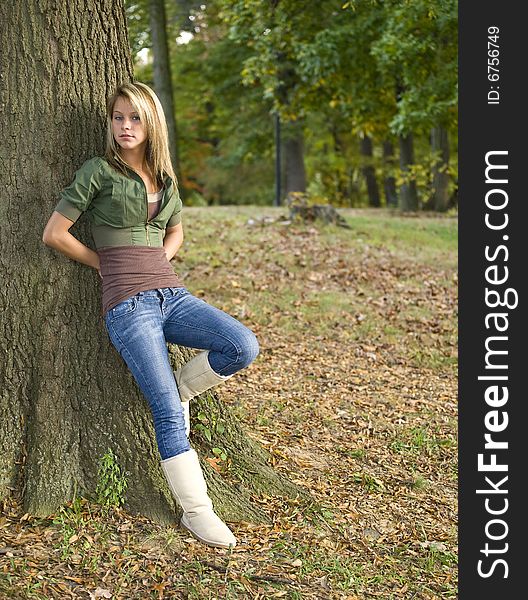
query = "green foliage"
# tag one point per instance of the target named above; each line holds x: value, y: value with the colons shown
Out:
x: 111, y: 482
x: 342, y: 69
x: 417, y: 50
x: 209, y: 426
x: 70, y: 519
x: 220, y: 453
x: 137, y: 24
x: 195, y: 199
x: 212, y: 430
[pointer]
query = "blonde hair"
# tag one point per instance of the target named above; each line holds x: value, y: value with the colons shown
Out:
x: 150, y: 110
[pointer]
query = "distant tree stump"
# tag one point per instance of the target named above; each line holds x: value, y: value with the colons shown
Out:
x: 301, y: 209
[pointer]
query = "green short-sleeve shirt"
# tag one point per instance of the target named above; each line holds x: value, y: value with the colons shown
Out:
x: 117, y: 205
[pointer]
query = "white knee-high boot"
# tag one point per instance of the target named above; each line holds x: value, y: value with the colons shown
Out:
x: 193, y: 378
x: 187, y: 483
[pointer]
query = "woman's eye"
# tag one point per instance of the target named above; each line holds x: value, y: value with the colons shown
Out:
x: 120, y: 118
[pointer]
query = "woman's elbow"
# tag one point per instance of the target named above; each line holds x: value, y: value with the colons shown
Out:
x: 47, y: 237
x: 55, y: 229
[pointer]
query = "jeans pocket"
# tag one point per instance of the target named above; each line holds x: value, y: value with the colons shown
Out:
x: 179, y: 291
x: 123, y: 308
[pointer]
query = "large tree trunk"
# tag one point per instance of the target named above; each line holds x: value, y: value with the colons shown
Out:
x: 440, y: 146
x: 292, y: 134
x: 162, y: 77
x: 66, y: 396
x: 408, y: 193
x: 369, y: 173
x: 389, y: 181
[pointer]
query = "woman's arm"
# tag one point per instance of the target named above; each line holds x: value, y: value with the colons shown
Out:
x: 173, y: 240
x: 57, y: 236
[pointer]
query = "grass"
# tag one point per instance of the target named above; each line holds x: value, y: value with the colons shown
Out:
x: 332, y: 274
x: 399, y: 234
x: 354, y: 396
x: 419, y: 440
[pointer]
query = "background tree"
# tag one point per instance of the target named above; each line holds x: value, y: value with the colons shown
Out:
x: 162, y: 77
x: 417, y: 48
x: 66, y: 396
x: 335, y: 72
x: 365, y: 145
x: 268, y: 29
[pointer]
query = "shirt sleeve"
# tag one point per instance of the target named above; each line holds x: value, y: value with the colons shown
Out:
x: 76, y: 198
x: 176, y: 214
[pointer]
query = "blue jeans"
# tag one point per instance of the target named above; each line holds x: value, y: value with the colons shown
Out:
x: 140, y: 327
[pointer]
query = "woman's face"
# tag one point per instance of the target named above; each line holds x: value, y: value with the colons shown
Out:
x: 129, y: 132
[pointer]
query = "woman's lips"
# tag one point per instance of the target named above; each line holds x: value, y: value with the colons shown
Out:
x: 126, y: 137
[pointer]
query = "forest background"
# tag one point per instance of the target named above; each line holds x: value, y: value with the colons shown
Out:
x: 334, y: 456
x: 362, y: 96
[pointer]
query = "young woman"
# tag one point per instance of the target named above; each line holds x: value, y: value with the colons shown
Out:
x: 131, y: 199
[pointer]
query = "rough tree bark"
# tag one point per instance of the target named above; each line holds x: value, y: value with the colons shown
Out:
x: 66, y: 396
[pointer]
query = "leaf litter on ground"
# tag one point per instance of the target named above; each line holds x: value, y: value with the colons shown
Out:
x: 353, y: 395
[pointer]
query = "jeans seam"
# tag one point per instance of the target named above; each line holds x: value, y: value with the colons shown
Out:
x: 133, y: 309
x: 125, y: 349
x: 207, y: 330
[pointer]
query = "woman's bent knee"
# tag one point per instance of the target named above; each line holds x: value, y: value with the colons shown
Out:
x: 239, y: 350
x: 249, y: 349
